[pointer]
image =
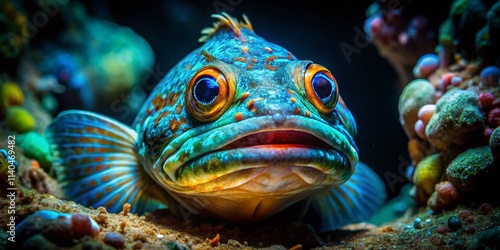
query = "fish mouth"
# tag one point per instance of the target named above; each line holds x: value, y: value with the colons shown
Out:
x: 257, y: 156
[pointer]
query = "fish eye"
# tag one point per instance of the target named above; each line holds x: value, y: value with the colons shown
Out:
x: 321, y: 88
x: 208, y: 94
x: 206, y: 90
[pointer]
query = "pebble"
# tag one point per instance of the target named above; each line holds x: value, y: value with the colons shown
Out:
x: 417, y: 223
x: 454, y: 223
x: 116, y: 240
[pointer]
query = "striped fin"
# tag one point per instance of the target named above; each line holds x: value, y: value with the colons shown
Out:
x: 354, y: 201
x: 346, y: 117
x: 97, y: 164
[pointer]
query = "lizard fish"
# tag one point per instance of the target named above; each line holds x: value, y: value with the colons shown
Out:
x: 239, y: 130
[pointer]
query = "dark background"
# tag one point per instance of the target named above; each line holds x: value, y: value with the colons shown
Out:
x: 311, y: 30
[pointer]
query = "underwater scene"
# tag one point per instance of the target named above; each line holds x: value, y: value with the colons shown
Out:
x: 238, y: 124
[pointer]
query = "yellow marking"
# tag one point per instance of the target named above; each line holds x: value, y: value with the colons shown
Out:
x: 308, y: 114
x: 244, y: 50
x: 293, y: 100
x: 297, y: 111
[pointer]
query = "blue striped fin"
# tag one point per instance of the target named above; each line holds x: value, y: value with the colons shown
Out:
x: 354, y: 201
x: 97, y: 164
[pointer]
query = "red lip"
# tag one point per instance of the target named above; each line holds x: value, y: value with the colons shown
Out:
x: 279, y: 139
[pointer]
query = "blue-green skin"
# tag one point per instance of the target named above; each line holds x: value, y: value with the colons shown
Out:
x: 271, y: 85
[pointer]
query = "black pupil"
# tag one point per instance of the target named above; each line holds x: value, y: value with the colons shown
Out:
x: 206, y: 90
x: 323, y: 87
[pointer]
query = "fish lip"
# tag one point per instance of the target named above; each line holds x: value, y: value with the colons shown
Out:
x: 214, y: 140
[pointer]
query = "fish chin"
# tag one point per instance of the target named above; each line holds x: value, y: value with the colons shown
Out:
x: 253, y: 194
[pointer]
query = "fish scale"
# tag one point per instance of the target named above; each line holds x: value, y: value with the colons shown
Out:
x: 270, y: 131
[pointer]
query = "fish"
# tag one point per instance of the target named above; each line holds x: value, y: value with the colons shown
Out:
x: 239, y: 130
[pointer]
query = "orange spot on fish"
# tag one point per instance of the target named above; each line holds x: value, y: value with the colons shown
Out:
x: 107, y: 189
x: 178, y: 109
x: 92, y: 183
x: 268, y: 49
x: 308, y: 114
x: 87, y: 170
x: 98, y: 168
x: 250, y: 104
x: 269, y: 60
x: 105, y: 178
x: 291, y: 92
x: 172, y: 98
x: 239, y: 59
x: 174, y: 125
x: 297, y: 111
x: 289, y: 56
x: 160, y: 116
x: 158, y: 102
x: 244, y: 96
x: 98, y: 196
x: 189, y: 66
x: 293, y: 100
x: 238, y: 116
x: 89, y: 129
x: 108, y: 204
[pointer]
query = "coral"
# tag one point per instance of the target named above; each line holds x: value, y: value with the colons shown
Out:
x: 426, y: 65
x: 12, y: 94
x: 19, y: 120
x: 427, y: 174
x: 472, y: 171
x: 457, y: 120
x: 415, y: 95
x: 462, y: 82
x: 490, y: 75
x: 48, y: 229
x: 35, y: 146
x: 424, y: 115
x: 445, y: 197
x: 495, y: 145
x: 402, y: 31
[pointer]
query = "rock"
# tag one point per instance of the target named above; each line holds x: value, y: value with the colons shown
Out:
x: 35, y: 146
x: 46, y: 227
x: 472, y: 170
x: 495, y: 144
x: 445, y: 197
x: 416, y: 94
x: 457, y: 120
x: 426, y: 176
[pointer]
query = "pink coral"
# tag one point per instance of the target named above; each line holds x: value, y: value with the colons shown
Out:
x: 494, y: 117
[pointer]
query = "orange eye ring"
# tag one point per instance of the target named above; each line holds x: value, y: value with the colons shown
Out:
x: 209, y: 94
x: 321, y: 88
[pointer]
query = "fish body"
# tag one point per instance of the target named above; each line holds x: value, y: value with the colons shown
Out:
x: 240, y: 130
